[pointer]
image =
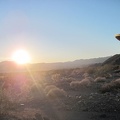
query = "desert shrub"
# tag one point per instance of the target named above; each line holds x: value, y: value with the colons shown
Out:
x: 107, y: 75
x: 5, y: 103
x: 91, y: 70
x: 68, y: 79
x: 100, y: 79
x: 45, y: 84
x: 83, y: 83
x: 90, y: 79
x: 15, y: 97
x: 117, y: 80
x: 49, y: 87
x: 85, y: 75
x: 75, y: 84
x: 116, y: 83
x: 108, y: 87
x: 76, y: 72
x: 56, y: 93
x: 56, y: 77
x: 102, y: 70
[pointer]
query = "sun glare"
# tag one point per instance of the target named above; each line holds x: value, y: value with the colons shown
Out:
x: 21, y: 57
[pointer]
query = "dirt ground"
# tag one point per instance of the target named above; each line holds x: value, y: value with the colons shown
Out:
x: 86, y: 103
x: 77, y: 106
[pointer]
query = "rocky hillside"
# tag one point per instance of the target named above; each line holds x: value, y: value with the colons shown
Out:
x: 114, y: 60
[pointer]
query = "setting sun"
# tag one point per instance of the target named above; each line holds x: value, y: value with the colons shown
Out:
x: 21, y: 57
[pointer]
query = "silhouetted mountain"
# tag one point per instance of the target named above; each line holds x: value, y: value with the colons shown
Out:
x: 114, y: 60
x: 10, y: 66
x: 67, y: 65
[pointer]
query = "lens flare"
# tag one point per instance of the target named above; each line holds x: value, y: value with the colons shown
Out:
x: 21, y: 57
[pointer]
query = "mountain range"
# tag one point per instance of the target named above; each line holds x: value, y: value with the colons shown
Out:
x: 10, y: 66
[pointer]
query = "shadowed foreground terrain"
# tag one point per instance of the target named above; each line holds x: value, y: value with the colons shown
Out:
x: 89, y: 93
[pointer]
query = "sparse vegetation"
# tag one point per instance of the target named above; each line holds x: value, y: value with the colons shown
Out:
x: 69, y: 89
x: 109, y: 87
x: 56, y: 93
x: 82, y: 83
x: 100, y: 79
x: 49, y: 87
x: 85, y: 82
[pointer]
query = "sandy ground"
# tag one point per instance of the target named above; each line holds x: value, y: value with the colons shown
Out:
x: 84, y: 104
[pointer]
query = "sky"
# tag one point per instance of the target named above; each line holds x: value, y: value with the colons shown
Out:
x: 59, y: 30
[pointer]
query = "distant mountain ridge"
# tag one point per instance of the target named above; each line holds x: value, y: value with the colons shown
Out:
x: 72, y: 64
x: 10, y: 66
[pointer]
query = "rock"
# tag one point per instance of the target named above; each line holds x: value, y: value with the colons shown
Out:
x: 80, y: 97
x: 77, y: 97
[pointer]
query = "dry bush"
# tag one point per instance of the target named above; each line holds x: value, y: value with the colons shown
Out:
x: 83, y: 83
x: 85, y: 75
x: 56, y: 77
x: 106, y: 88
x: 49, y: 87
x: 91, y: 69
x: 110, y: 86
x: 102, y: 70
x: 75, y: 84
x: 90, y: 79
x: 100, y: 79
x: 117, y: 81
x: 45, y: 84
x: 76, y: 72
x: 68, y: 79
x: 56, y: 93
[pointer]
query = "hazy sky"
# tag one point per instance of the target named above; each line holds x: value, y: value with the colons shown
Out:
x: 59, y: 30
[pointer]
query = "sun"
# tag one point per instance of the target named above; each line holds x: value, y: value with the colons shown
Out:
x: 21, y: 57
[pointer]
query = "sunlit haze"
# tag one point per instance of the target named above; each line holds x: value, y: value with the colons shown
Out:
x: 59, y: 30
x: 21, y: 57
